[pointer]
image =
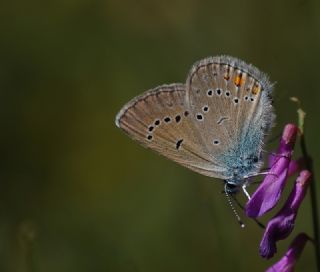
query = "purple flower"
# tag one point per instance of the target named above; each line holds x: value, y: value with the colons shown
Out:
x: 268, y: 193
x: 288, y: 261
x: 282, y: 224
x: 294, y: 165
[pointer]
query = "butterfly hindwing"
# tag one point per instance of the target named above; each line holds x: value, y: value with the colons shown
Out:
x: 238, y: 113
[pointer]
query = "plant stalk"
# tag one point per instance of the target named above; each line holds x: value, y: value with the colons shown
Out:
x: 313, y: 197
x: 313, y: 190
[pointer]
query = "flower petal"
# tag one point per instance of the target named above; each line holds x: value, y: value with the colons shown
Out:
x: 288, y: 261
x: 278, y: 228
x: 268, y: 193
x: 296, y: 166
x: 282, y: 224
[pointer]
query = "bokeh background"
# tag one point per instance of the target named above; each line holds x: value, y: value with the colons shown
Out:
x: 76, y: 194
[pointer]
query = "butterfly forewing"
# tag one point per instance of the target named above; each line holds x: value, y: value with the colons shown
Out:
x: 160, y: 119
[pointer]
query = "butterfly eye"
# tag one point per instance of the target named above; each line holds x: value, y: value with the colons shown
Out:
x: 216, y: 142
x: 149, y: 137
x: 227, y: 93
x: 218, y: 91
x: 178, y: 118
x: 157, y: 122
x: 151, y: 128
x: 210, y: 92
x: 186, y: 113
x: 167, y: 119
x: 236, y: 100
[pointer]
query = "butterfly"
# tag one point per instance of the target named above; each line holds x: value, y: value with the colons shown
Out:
x: 215, y: 124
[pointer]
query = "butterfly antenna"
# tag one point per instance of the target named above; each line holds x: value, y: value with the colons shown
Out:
x: 242, y: 225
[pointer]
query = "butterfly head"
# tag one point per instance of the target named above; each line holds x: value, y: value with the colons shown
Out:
x: 232, y: 188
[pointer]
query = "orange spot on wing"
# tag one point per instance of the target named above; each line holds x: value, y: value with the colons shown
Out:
x: 256, y: 89
x: 238, y: 81
x: 226, y: 73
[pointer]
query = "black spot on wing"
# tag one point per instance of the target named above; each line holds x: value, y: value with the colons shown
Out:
x: 178, y: 144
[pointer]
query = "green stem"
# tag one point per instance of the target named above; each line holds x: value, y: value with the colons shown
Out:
x: 313, y: 197
x: 313, y: 191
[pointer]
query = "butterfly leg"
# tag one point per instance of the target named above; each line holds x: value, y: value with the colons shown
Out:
x: 261, y: 173
x: 245, y: 191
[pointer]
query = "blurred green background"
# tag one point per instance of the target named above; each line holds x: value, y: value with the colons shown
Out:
x: 76, y: 194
